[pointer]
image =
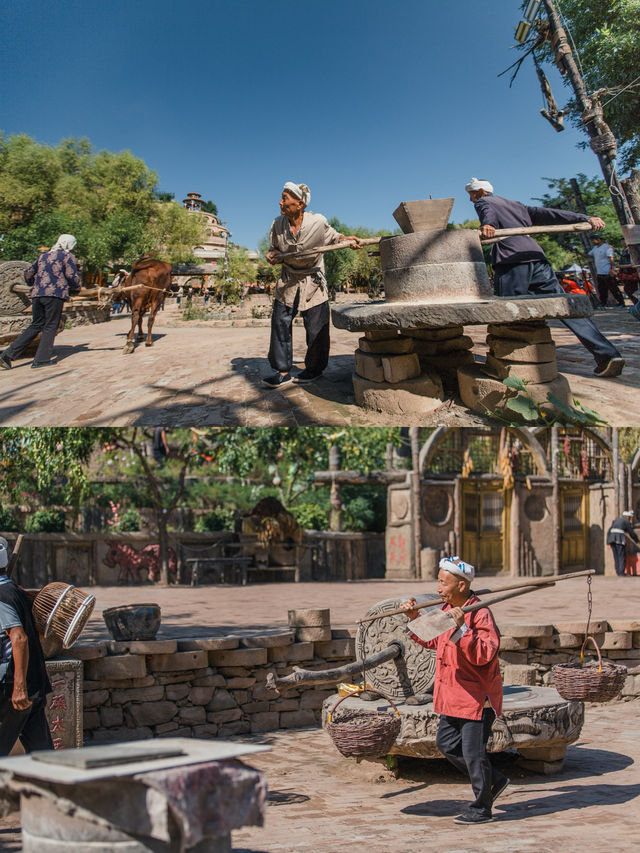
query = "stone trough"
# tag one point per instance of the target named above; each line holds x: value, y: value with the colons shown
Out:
x: 413, y: 352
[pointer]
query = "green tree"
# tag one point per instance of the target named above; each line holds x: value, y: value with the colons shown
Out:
x: 210, y: 207
x: 239, y: 271
x: 345, y: 267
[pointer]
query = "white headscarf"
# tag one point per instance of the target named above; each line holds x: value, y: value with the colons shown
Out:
x: 628, y: 513
x: 475, y: 184
x: 4, y: 557
x: 66, y: 242
x: 300, y: 191
x: 456, y: 566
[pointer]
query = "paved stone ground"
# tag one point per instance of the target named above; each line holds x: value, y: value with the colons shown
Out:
x: 320, y: 802
x: 200, y: 374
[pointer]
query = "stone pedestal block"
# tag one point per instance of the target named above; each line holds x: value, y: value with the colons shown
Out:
x: 535, y: 373
x: 369, y: 366
x: 513, y: 350
x: 414, y: 396
x: 443, y: 334
x: 536, y: 332
x: 397, y: 368
x: 396, y: 345
x: 482, y: 394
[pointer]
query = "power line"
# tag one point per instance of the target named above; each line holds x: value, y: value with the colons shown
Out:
x: 617, y: 95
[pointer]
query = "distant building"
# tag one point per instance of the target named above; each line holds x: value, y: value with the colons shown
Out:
x: 217, y: 235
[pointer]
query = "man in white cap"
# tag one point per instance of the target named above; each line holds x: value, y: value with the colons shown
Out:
x: 23, y: 674
x: 520, y: 266
x: 52, y: 277
x: 301, y: 287
x: 617, y: 536
x: 467, y: 690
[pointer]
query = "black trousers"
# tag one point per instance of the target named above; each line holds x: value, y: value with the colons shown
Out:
x: 607, y: 284
x: 316, y: 324
x: 538, y: 277
x: 30, y: 725
x: 464, y: 744
x: 46, y: 312
x: 619, y: 556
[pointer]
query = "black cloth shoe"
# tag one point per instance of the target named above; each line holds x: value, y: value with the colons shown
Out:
x: 5, y: 363
x: 472, y: 818
x: 611, y: 367
x: 277, y: 380
x: 304, y: 377
x: 42, y: 363
x: 497, y: 790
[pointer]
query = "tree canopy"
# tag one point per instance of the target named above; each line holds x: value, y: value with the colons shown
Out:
x: 108, y: 201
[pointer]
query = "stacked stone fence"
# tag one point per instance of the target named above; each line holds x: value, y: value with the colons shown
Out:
x: 216, y: 687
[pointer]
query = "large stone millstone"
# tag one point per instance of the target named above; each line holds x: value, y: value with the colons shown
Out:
x: 12, y: 273
x: 533, y: 719
x: 404, y: 676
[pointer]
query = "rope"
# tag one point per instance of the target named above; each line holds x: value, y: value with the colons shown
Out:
x: 589, y: 609
x: 617, y: 95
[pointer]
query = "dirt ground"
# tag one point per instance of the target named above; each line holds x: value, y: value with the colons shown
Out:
x: 210, y: 374
x: 321, y: 802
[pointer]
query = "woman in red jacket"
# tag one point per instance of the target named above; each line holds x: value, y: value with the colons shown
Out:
x: 468, y: 687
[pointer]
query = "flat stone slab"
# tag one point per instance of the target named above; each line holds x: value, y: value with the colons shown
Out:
x: 361, y: 316
x: 531, y: 717
x: 420, y: 395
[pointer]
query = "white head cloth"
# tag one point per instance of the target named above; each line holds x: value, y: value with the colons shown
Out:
x: 66, y: 242
x: 456, y: 566
x: 300, y: 191
x: 4, y: 557
x: 628, y: 512
x: 475, y: 184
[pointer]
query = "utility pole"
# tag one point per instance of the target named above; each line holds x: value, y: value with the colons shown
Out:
x: 602, y: 141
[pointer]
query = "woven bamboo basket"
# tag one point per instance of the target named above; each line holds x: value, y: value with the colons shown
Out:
x: 595, y: 682
x: 361, y: 734
x: 62, y: 610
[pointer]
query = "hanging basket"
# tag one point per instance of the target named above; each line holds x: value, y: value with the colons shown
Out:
x: 363, y: 734
x: 595, y: 682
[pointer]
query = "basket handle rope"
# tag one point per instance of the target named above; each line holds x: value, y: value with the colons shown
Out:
x: 362, y: 690
x: 587, y: 636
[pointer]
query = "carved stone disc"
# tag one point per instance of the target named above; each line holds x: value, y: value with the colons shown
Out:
x: 405, y: 676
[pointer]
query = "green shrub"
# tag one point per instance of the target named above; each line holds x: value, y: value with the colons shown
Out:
x: 46, y: 521
x: 221, y: 518
x: 358, y: 514
x: 9, y: 521
x: 129, y: 521
x: 311, y: 516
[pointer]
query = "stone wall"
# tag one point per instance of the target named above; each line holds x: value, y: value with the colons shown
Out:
x: 216, y: 686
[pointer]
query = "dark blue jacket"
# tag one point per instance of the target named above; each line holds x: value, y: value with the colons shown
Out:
x: 55, y: 273
x: 504, y: 213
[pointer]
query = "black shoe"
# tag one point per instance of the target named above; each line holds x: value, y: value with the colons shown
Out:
x: 472, y: 818
x: 42, y: 363
x: 497, y: 790
x: 611, y: 367
x: 5, y: 363
x: 277, y: 380
x: 304, y: 377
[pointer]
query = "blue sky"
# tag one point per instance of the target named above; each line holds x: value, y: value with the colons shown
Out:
x: 369, y: 103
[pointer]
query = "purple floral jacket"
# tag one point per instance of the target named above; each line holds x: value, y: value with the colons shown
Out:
x: 55, y: 273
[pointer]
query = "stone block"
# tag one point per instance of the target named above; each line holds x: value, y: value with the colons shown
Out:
x: 142, y: 647
x: 454, y: 345
x: 284, y: 705
x: 210, y: 681
x: 179, y: 731
x: 616, y: 640
x: 221, y: 700
x: 513, y: 644
x: 544, y: 768
x: 165, y: 728
x: 509, y: 349
x: 421, y: 395
x: 200, y: 695
x: 528, y: 333
x: 237, y: 672
x: 151, y: 713
x: 255, y: 707
x: 241, y: 696
x: 550, y: 642
x: 383, y: 335
x: 192, y: 715
x: 631, y: 686
x: 620, y: 654
x: 397, y: 368
x: 239, y: 657
x: 177, y: 678
x: 336, y: 649
x: 442, y: 334
x: 111, y: 716
x: 120, y: 733
x: 267, y: 641
x: 636, y: 639
x: 265, y: 722
x: 424, y: 347
x: 534, y: 373
x: 94, y: 698
x: 517, y: 658
x: 87, y: 652
x: 208, y: 644
x: 312, y: 635
x: 521, y: 629
x: 297, y: 719
x: 630, y: 625
x: 369, y: 366
x: 399, y: 344
x: 261, y: 691
x: 224, y: 716
x: 596, y: 626
x: 239, y: 727
x: 520, y: 674
x: 544, y: 753
x: 309, y: 617
x: 313, y: 699
x: 138, y: 694
x: 116, y: 668
x: 482, y: 393
x: 91, y: 720
x: 176, y: 692
x: 206, y: 731
x: 179, y: 661
x: 240, y: 683
x: 296, y: 651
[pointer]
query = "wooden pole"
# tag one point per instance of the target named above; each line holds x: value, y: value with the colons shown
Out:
x: 555, y: 500
x: 615, y: 464
x: 416, y: 514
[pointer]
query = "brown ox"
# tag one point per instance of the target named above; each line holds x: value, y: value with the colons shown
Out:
x: 144, y: 289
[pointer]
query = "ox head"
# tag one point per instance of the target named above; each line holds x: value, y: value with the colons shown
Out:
x: 119, y: 279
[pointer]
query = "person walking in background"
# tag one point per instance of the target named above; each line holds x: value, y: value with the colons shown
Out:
x: 53, y: 277
x: 617, y: 535
x: 605, y: 261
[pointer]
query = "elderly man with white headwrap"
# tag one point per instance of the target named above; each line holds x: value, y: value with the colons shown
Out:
x: 301, y: 287
x: 520, y: 266
x: 52, y: 277
x: 467, y: 692
x: 620, y: 531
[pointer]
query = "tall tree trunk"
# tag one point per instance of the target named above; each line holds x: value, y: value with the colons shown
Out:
x: 163, y: 543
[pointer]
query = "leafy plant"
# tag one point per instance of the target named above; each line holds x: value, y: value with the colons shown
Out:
x: 8, y: 520
x: 311, y: 516
x: 555, y: 411
x: 221, y: 518
x: 46, y: 521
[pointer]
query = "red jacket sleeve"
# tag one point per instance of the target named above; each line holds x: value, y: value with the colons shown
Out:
x: 481, y: 641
